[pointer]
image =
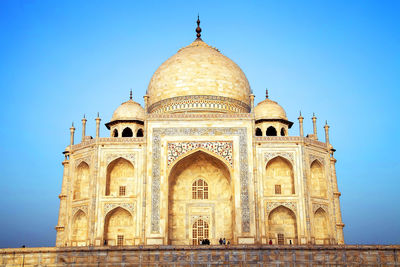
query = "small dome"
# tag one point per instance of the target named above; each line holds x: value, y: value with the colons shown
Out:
x: 199, y: 73
x: 129, y: 110
x: 269, y: 109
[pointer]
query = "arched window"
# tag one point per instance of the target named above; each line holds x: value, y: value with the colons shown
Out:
x: 79, y: 228
x: 115, y: 133
x: 283, y: 133
x: 279, y: 179
x: 271, y: 131
x: 200, y: 231
x: 127, y: 132
x: 81, y: 183
x: 200, y: 189
x: 139, y: 133
x: 318, y: 180
x: 119, y: 180
x: 258, y: 132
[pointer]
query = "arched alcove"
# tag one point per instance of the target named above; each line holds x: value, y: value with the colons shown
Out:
x: 258, y: 132
x: 318, y: 181
x: 119, y: 228
x: 127, y: 132
x: 218, y: 204
x: 139, y: 133
x: 120, y: 178
x: 282, y: 226
x: 271, y: 131
x: 283, y: 132
x: 115, y: 133
x: 79, y: 228
x: 321, y: 227
x: 279, y: 177
x: 81, y: 183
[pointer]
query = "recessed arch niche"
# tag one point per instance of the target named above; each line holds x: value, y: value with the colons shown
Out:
x: 79, y: 228
x: 318, y: 181
x: 182, y: 208
x: 120, y: 173
x: 118, y: 226
x: 279, y: 174
x: 321, y: 227
x: 81, y: 183
x: 282, y: 226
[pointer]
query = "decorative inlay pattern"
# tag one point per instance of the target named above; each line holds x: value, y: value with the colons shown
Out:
x: 127, y: 156
x: 86, y: 159
x: 287, y: 155
x: 83, y: 208
x: 288, y: 204
x: 316, y: 206
x: 194, y: 218
x: 223, y: 149
x: 313, y: 157
x: 156, y: 172
x: 199, y: 102
x: 111, y: 206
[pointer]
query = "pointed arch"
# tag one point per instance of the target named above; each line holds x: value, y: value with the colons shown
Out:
x: 81, y: 181
x: 119, y: 227
x: 139, y: 133
x: 279, y: 177
x: 318, y: 181
x: 79, y: 228
x: 120, y: 174
x: 283, y: 132
x: 127, y: 132
x: 282, y: 226
x: 321, y: 227
x: 271, y: 131
x: 183, y: 174
x: 258, y: 132
x: 115, y: 133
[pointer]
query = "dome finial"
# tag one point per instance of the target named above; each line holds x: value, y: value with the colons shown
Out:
x: 198, y: 29
x: 266, y: 93
x: 130, y: 95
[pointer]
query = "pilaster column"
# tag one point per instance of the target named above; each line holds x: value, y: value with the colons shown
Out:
x: 84, y: 120
x: 98, y: 125
x: 314, y: 120
x: 146, y: 100
x: 252, y: 103
x: 336, y: 201
x: 300, y: 118
x: 326, y: 127
x: 72, y: 130
x: 60, y: 228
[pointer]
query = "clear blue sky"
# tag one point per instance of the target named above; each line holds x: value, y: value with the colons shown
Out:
x: 61, y: 59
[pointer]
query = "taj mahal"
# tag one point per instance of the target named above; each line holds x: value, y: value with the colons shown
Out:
x: 199, y: 161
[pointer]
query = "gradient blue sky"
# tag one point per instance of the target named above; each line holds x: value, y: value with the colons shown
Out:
x: 61, y: 59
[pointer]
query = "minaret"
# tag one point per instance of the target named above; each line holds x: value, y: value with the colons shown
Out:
x: 84, y: 120
x: 314, y: 121
x: 326, y: 132
x: 72, y: 130
x: 98, y: 125
x: 300, y: 118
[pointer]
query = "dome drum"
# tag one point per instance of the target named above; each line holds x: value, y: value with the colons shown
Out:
x: 199, y: 103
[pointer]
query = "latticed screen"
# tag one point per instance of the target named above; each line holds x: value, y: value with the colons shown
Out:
x: 200, y: 189
x: 120, y: 240
x: 122, y: 190
x: 200, y: 231
x: 278, y: 189
x: 281, y: 239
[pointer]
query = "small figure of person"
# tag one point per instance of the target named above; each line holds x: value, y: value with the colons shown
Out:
x: 229, y: 242
x: 220, y: 241
x: 270, y: 242
x: 224, y: 241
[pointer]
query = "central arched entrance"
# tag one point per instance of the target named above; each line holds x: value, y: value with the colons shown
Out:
x: 200, y: 200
